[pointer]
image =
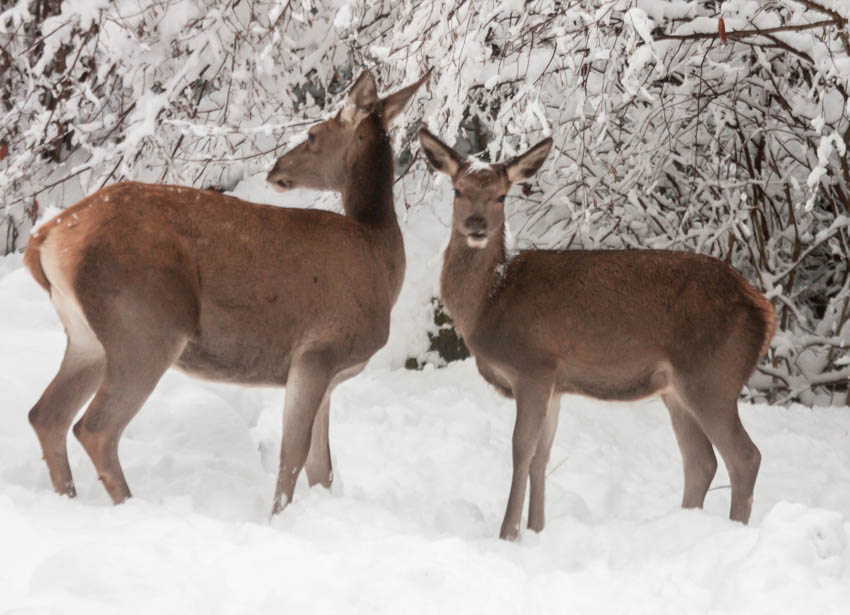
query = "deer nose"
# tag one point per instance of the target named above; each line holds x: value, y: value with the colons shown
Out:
x: 475, y: 223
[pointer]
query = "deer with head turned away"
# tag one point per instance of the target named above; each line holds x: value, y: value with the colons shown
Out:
x: 147, y: 277
x: 607, y: 324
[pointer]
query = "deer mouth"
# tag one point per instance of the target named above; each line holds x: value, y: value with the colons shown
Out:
x: 279, y: 182
x: 476, y: 239
x: 281, y: 185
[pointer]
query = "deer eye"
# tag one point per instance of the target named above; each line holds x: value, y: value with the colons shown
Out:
x: 457, y: 192
x: 311, y: 138
x: 501, y: 199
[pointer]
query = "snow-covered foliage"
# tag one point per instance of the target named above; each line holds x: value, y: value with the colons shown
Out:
x: 666, y: 136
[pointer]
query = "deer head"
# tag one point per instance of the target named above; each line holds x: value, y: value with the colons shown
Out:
x: 319, y: 163
x: 479, y: 201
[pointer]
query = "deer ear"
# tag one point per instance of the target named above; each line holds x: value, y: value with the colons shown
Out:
x: 527, y: 164
x: 361, y: 99
x: 394, y: 103
x: 441, y: 156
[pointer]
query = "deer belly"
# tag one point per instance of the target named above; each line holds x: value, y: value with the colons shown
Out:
x: 243, y: 363
x: 611, y: 380
x: 258, y: 348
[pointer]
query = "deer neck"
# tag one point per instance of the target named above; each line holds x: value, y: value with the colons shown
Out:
x: 367, y: 194
x: 367, y: 197
x: 471, y: 277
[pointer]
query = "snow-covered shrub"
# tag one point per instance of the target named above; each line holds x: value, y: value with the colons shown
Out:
x: 669, y: 134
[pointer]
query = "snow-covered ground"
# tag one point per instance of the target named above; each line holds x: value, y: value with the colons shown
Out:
x: 422, y: 467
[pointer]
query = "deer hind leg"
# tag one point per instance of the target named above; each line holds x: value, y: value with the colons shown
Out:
x: 306, y: 387
x: 78, y: 377
x: 720, y: 422
x: 537, y: 471
x: 532, y: 399
x: 318, y: 465
x: 698, y: 458
x: 133, y: 368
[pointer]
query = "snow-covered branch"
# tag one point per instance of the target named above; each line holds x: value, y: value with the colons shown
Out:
x: 664, y: 137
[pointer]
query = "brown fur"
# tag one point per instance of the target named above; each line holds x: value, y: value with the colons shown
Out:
x: 145, y: 277
x: 614, y: 325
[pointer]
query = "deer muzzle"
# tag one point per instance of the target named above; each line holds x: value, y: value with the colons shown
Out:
x: 476, y: 231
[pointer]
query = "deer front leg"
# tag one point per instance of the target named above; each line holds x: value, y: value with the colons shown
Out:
x: 537, y: 473
x: 309, y: 377
x: 532, y: 399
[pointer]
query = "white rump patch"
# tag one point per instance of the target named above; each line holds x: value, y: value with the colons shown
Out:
x: 82, y: 341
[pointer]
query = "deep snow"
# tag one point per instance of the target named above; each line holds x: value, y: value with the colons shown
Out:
x: 422, y: 469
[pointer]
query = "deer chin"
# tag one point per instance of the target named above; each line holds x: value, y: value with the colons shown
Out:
x: 477, y: 241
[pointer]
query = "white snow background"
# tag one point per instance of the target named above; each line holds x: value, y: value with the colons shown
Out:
x: 422, y: 466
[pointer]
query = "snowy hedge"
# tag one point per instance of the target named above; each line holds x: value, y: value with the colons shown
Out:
x: 673, y: 129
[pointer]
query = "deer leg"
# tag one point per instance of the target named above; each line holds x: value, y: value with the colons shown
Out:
x: 537, y: 472
x: 532, y: 399
x: 721, y: 423
x: 318, y: 465
x: 76, y: 381
x: 78, y: 377
x: 698, y: 458
x: 309, y: 377
x: 127, y: 383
